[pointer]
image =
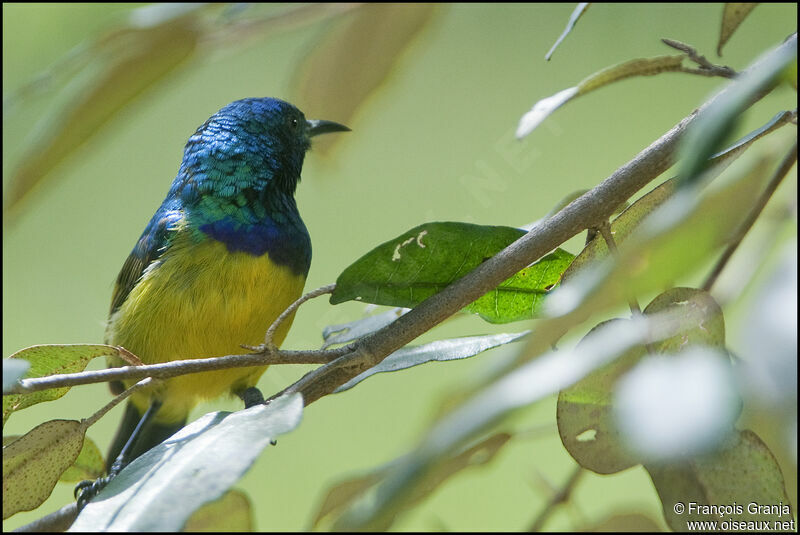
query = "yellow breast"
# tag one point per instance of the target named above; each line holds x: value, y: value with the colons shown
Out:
x: 199, y: 300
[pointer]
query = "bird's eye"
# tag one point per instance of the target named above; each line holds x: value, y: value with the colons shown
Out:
x: 293, y: 123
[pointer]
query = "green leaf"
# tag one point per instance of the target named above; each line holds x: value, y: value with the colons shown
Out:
x: 744, y: 472
x: 440, y: 350
x: 521, y: 296
x: 88, y: 465
x: 421, y: 262
x: 161, y: 489
x: 33, y: 463
x: 52, y: 359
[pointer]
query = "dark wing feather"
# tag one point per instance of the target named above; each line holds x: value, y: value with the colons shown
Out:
x: 151, y: 245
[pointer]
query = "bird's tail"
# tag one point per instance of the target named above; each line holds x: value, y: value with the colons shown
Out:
x: 151, y: 435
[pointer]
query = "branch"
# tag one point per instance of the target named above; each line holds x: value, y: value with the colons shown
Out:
x: 588, y: 210
x: 177, y: 367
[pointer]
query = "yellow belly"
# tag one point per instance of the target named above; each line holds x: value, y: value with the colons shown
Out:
x: 199, y: 300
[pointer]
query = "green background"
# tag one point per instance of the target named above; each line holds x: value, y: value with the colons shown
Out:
x: 435, y: 142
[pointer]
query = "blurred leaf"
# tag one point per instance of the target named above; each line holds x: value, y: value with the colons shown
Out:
x: 52, y: 359
x: 160, y: 490
x: 780, y: 119
x: 232, y: 513
x: 440, y: 350
x: 88, y: 465
x: 526, y: 384
x: 621, y: 227
x: 732, y: 16
x: 635, y: 67
x: 630, y: 218
x: 33, y: 463
x: 674, y: 240
x: 347, y: 332
x: 585, y: 420
x: 421, y: 262
x: 699, y: 317
x: 584, y: 411
x: 136, y: 57
x: 477, y: 455
x: 743, y: 472
x: 673, y: 407
x: 709, y: 130
x: 13, y: 371
x: 354, y: 58
x: 579, y: 10
x: 624, y: 523
x: 769, y: 338
x: 341, y: 494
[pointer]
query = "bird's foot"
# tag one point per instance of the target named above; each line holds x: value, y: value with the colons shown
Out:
x: 86, y: 490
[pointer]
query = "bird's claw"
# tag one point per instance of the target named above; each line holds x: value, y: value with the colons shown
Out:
x: 262, y: 348
x: 86, y: 490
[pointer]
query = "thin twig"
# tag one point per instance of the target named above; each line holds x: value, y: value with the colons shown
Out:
x: 174, y: 368
x: 782, y: 170
x: 605, y: 230
x: 268, y: 345
x: 117, y: 400
x: 560, y: 497
x: 706, y: 67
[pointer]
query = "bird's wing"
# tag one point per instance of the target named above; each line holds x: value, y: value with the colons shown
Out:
x: 151, y: 245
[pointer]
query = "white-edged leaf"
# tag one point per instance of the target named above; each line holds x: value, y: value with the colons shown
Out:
x: 161, y: 489
x: 615, y: 73
x: 347, y: 332
x: 440, y: 350
x: 579, y: 10
x: 542, y: 109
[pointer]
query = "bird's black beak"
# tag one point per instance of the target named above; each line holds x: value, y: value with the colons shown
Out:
x: 320, y: 126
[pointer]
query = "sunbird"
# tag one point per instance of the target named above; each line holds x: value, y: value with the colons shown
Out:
x: 222, y: 257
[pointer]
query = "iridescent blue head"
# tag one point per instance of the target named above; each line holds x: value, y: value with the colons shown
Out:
x: 251, y: 143
x: 237, y: 180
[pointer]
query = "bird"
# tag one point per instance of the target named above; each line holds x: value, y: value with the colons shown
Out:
x: 223, y: 256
